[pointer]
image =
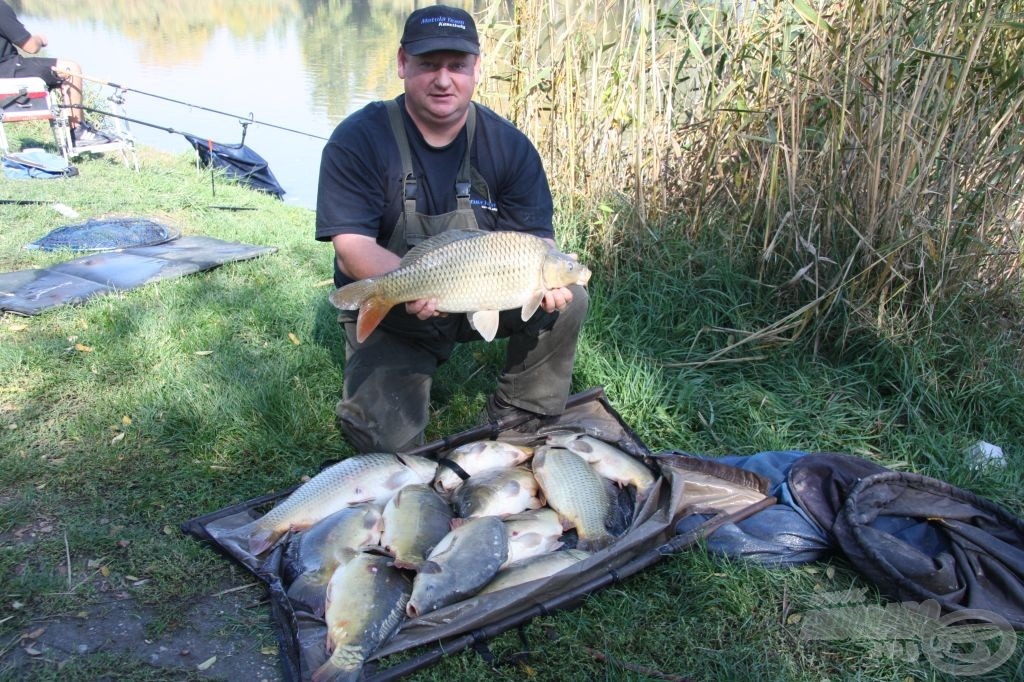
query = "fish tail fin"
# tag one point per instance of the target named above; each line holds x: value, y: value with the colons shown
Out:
x: 595, y: 544
x: 310, y: 589
x: 371, y: 312
x: 261, y: 540
x: 332, y: 671
x: 351, y: 296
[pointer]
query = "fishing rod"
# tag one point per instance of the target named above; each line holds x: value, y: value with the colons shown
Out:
x: 248, y: 119
x: 166, y: 129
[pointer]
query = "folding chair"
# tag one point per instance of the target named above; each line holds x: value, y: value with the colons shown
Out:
x: 28, y: 99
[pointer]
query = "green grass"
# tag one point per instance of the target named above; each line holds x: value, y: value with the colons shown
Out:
x: 123, y: 417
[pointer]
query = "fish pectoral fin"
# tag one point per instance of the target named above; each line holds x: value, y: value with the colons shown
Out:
x: 430, y: 567
x: 530, y: 307
x: 485, y: 322
x: 530, y: 539
x: 371, y: 312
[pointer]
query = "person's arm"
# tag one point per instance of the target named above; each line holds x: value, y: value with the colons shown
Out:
x: 360, y: 257
x: 35, y: 42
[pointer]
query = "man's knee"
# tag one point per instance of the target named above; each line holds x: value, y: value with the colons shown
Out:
x: 367, y: 437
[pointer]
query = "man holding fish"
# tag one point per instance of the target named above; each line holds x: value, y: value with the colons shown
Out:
x: 440, y: 215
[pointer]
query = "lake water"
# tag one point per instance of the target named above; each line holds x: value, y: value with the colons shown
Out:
x: 298, y: 64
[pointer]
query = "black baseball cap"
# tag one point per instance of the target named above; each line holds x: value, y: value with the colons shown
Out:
x: 440, y: 27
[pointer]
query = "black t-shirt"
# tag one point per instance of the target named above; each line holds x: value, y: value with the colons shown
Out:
x: 360, y: 189
x: 12, y: 32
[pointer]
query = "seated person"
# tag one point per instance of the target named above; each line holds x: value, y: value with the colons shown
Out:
x: 56, y: 73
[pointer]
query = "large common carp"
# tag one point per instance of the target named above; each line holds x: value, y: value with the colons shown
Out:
x: 577, y: 493
x: 608, y: 461
x: 467, y: 271
x: 317, y: 552
x: 472, y: 458
x: 460, y: 565
x: 366, y: 601
x: 374, y: 477
x: 415, y: 520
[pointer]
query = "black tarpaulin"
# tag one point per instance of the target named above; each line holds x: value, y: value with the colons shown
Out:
x: 237, y: 161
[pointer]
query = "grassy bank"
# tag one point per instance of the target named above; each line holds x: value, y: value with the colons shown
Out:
x: 121, y: 418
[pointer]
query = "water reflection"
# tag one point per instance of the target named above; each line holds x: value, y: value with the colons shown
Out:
x: 300, y: 64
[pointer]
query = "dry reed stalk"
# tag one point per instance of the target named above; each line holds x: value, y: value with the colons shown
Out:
x: 870, y: 149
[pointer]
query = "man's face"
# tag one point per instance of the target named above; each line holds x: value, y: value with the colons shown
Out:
x: 438, y: 85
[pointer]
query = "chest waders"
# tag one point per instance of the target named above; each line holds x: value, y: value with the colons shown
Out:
x: 412, y: 227
x: 386, y: 394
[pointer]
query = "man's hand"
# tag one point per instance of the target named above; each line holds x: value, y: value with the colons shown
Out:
x: 556, y: 299
x: 424, y: 308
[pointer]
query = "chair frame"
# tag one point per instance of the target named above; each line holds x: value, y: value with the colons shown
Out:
x: 30, y: 100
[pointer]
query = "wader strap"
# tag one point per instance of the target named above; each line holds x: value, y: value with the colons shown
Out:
x: 463, y: 184
x: 408, y: 178
x: 413, y: 227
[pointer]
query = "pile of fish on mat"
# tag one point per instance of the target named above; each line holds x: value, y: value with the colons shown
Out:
x: 379, y: 538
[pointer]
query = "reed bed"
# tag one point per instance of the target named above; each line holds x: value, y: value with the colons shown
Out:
x: 862, y: 159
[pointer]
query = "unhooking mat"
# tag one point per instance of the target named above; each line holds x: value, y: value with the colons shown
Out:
x: 30, y: 292
x: 684, y: 486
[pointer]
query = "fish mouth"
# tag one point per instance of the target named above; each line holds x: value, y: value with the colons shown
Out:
x: 584, y: 277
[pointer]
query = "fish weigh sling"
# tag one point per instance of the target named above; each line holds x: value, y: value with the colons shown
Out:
x: 467, y: 271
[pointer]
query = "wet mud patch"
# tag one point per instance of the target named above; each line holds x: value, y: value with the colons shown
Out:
x: 223, y: 637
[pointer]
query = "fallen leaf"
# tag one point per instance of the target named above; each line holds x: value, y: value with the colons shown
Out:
x: 104, y: 571
x: 830, y: 572
x: 203, y: 352
x: 268, y: 650
x: 18, y: 327
x: 205, y: 665
x: 294, y: 339
x: 168, y: 530
x: 82, y: 348
x: 130, y: 578
x: 793, y: 619
x: 126, y: 420
x: 117, y: 439
x: 32, y: 651
x: 35, y: 634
